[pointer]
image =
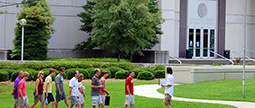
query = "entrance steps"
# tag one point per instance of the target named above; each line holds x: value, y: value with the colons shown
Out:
x: 204, y: 61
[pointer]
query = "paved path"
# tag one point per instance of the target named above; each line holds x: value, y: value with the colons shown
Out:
x: 151, y: 91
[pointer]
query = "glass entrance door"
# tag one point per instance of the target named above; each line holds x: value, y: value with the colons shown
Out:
x: 201, y: 41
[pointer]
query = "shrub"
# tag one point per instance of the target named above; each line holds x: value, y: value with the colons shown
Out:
x: 91, y: 72
x: 113, y: 70
x: 137, y: 71
x: 159, y: 74
x: 4, y: 76
x: 69, y: 72
x: 10, y: 71
x: 14, y: 75
x: 47, y: 71
x: 126, y: 66
x: 109, y: 72
x: 32, y: 73
x: 158, y: 67
x: 121, y: 74
x: 145, y: 75
x: 8, y: 65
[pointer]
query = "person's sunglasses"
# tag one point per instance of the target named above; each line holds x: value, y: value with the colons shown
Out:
x: 42, y: 73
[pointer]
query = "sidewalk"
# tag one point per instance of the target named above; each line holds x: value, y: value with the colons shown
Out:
x: 151, y: 91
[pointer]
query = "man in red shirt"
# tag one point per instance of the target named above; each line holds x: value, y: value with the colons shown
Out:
x: 129, y: 90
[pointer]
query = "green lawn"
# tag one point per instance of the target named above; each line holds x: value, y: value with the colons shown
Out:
x: 217, y: 90
x: 117, y: 97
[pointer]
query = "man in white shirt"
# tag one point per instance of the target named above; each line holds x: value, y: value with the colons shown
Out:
x: 74, y: 91
x: 169, y: 87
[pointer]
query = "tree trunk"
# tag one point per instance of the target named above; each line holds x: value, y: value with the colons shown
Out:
x: 118, y: 56
x: 131, y: 57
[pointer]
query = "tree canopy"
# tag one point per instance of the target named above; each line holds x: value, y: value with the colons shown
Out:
x: 37, y: 30
x: 125, y: 26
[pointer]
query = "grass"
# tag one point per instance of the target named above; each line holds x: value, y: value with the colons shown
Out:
x: 90, y: 59
x: 116, y: 90
x: 217, y: 90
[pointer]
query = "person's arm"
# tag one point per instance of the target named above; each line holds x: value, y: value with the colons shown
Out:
x: 14, y: 90
x: 93, y: 86
x: 70, y: 90
x: 36, y: 87
x: 46, y: 89
x: 169, y: 82
x: 20, y: 90
x: 82, y: 92
x: 58, y: 89
x: 128, y: 90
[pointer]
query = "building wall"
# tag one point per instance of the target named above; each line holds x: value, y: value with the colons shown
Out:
x: 67, y: 24
x: 235, y: 11
x: 170, y: 38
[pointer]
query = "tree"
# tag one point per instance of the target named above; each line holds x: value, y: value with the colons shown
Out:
x: 37, y: 30
x: 87, y: 26
x: 124, y: 26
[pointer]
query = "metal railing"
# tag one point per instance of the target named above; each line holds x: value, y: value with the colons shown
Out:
x: 176, y: 59
x: 222, y: 56
x: 242, y: 55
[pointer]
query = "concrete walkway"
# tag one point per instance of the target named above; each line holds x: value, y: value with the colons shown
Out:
x: 151, y: 91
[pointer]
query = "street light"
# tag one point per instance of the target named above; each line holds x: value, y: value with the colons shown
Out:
x: 22, y: 22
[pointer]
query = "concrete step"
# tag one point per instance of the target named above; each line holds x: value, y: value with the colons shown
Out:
x: 205, y: 61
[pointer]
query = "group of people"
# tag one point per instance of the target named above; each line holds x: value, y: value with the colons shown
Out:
x: 77, y: 90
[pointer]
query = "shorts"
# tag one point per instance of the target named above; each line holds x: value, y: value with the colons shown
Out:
x: 81, y: 99
x: 60, y: 97
x: 96, y: 100
x: 129, y: 100
x: 39, y: 97
x: 74, y: 100
x: 102, y: 98
x: 167, y: 100
x: 50, y: 97
x: 16, y: 102
x: 23, y: 101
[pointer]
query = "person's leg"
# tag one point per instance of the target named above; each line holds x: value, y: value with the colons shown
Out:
x: 53, y: 104
x: 27, y: 105
x: 46, y: 105
x: 56, y: 104
x: 33, y: 105
x: 132, y: 106
x: 42, y: 100
x: 82, y: 105
x: 125, y: 106
x: 67, y: 104
x: 71, y: 106
x: 168, y: 106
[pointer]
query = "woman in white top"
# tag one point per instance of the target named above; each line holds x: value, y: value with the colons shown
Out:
x: 82, y: 90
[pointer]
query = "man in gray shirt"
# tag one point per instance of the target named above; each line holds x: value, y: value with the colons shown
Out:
x: 95, y: 89
x: 60, y: 93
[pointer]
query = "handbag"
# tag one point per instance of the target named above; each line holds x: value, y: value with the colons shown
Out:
x: 107, y: 100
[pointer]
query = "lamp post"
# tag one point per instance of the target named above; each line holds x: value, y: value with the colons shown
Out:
x: 244, y: 49
x: 22, y: 22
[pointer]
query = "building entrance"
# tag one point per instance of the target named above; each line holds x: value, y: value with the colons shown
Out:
x: 201, y: 41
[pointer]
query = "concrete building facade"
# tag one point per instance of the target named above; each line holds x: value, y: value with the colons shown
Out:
x: 199, y: 26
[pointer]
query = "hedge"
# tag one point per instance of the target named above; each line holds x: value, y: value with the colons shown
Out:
x: 158, y: 67
x: 32, y: 73
x: 145, y: 75
x: 8, y: 65
x: 69, y: 73
x: 47, y: 71
x: 159, y: 74
x: 10, y: 71
x: 92, y: 73
x: 126, y: 66
x: 113, y: 70
x: 4, y: 76
x: 137, y: 71
x: 122, y: 74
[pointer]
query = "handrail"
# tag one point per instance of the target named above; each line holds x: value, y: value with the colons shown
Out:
x: 222, y: 56
x: 245, y: 56
x: 175, y: 59
x: 250, y: 50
